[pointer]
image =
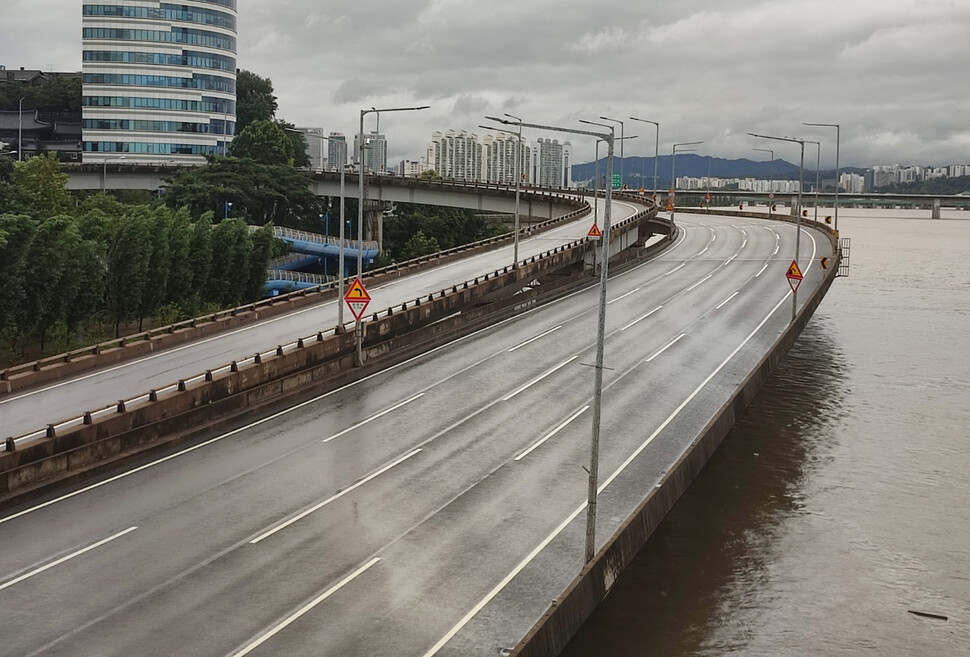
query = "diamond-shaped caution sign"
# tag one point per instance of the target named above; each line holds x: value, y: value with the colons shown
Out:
x: 595, y: 232
x: 794, y: 276
x: 357, y: 299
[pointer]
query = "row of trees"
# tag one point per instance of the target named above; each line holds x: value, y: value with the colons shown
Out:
x: 68, y: 268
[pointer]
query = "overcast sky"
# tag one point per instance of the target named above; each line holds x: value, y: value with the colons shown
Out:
x: 893, y: 73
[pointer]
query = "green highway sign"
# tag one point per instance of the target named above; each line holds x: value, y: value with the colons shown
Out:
x: 616, y: 181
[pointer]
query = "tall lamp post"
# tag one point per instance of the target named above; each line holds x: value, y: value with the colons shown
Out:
x: 518, y: 184
x: 622, y: 138
x: 360, y: 199
x: 818, y: 160
x: 608, y: 137
x: 771, y: 174
x: 656, y: 153
x: 798, y: 214
x: 838, y: 171
x: 673, y: 167
x: 104, y: 171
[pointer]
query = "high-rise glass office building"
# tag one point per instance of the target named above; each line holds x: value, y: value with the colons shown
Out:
x: 159, y: 80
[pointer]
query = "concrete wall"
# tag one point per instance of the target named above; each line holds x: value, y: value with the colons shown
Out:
x: 553, y: 631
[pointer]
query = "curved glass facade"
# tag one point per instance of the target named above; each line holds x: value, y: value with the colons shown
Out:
x: 159, y: 79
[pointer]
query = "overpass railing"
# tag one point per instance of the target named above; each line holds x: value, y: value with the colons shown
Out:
x: 53, y: 430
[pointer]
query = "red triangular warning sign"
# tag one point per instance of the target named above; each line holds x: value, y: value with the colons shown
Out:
x: 595, y: 231
x: 670, y: 205
x: 794, y: 271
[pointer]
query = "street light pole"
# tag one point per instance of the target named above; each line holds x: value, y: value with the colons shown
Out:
x: 818, y: 160
x: 798, y: 214
x: 673, y: 168
x: 838, y: 171
x: 771, y: 174
x: 104, y: 171
x: 518, y: 183
x: 601, y: 330
x: 341, y: 266
x: 360, y: 197
x: 622, y: 180
x: 656, y: 154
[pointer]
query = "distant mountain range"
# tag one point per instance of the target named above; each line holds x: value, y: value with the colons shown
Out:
x: 698, y: 166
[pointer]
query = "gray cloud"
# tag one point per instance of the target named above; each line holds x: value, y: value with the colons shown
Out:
x: 892, y: 72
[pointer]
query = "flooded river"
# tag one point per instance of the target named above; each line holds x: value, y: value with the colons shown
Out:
x: 840, y: 504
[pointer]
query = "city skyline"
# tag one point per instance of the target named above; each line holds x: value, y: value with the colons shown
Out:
x: 888, y: 72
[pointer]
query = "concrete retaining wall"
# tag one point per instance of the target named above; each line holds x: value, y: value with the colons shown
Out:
x: 553, y: 631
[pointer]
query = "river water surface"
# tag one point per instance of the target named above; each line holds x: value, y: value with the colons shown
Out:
x: 840, y: 503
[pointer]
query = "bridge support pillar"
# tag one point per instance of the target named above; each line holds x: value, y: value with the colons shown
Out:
x: 936, y: 208
x: 374, y: 223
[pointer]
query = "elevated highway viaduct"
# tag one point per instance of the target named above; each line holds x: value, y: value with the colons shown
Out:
x: 433, y: 508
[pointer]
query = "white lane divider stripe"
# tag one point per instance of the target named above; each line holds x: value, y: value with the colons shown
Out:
x: 305, y: 608
x: 68, y: 557
x: 724, y: 303
x: 539, y: 378
x: 622, y: 296
x: 666, y: 347
x: 680, y: 266
x: 332, y: 498
x: 565, y: 423
x: 641, y: 318
x: 533, y: 339
x: 762, y: 271
x: 698, y: 282
x: 374, y: 417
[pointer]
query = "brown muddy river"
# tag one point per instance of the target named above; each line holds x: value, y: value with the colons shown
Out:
x: 841, y: 502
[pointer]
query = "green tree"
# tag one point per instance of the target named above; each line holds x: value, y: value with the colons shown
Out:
x: 231, y: 249
x: 16, y: 235
x: 58, y: 95
x: 50, y: 283
x: 263, y: 246
x: 179, y: 289
x: 254, y: 100
x: 419, y: 245
x: 39, y: 188
x: 301, y: 155
x: 89, y: 271
x: 159, y: 264
x: 265, y: 142
x: 129, y: 252
x: 200, y: 256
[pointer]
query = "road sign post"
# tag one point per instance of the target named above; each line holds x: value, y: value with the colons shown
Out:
x: 357, y: 300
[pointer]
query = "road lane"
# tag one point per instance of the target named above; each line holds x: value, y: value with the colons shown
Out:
x: 449, y: 523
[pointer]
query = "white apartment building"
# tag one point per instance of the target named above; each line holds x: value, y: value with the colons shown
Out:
x: 159, y: 80
x: 455, y: 155
x: 499, y: 158
x: 410, y: 169
x: 552, y: 163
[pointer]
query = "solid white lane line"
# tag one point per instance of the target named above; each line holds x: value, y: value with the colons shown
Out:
x: 374, y: 417
x: 531, y: 340
x: 622, y: 296
x: 762, y: 271
x: 744, y: 243
x: 724, y: 303
x: 539, y: 378
x: 565, y: 423
x: 332, y: 498
x: 305, y: 608
x: 777, y: 246
x: 641, y: 318
x: 698, y: 282
x: 565, y: 523
x: 702, y: 252
x: 68, y: 557
x: 731, y: 259
x: 681, y: 265
x: 666, y: 347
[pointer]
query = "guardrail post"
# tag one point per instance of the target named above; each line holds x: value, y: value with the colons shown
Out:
x: 208, y: 375
x: 50, y: 431
x: 299, y: 343
x: 153, y: 395
x: 181, y: 385
x: 279, y: 350
x: 121, y: 406
x: 257, y: 358
x: 10, y: 445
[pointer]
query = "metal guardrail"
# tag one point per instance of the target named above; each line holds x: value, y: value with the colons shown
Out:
x: 182, y: 385
x: 299, y: 277
x: 283, y: 232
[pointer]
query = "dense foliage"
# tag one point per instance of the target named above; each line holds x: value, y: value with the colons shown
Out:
x: 58, y: 95
x: 68, y: 270
x: 417, y: 230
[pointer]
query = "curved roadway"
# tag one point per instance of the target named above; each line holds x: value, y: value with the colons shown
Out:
x: 433, y: 508
x: 29, y: 411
